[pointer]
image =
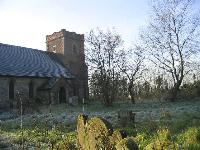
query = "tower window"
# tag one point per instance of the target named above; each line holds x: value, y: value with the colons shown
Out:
x: 11, y: 90
x: 74, y: 49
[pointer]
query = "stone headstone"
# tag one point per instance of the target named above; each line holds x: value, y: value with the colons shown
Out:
x: 126, y: 117
x: 97, y: 133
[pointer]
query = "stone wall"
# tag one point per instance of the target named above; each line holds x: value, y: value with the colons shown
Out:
x: 4, y: 100
x: 43, y: 97
x: 21, y: 85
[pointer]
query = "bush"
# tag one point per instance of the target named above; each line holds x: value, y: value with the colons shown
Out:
x: 142, y: 140
x: 190, y: 139
x: 190, y: 90
x: 162, y: 141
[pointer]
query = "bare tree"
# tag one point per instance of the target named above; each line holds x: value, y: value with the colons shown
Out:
x: 172, y: 38
x: 131, y: 65
x: 101, y: 48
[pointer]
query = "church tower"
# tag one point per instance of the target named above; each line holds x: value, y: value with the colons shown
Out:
x: 71, y: 46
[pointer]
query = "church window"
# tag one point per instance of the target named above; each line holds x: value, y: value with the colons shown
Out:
x: 11, y: 90
x: 31, y: 90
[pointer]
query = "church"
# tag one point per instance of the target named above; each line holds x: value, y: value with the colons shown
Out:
x: 57, y: 75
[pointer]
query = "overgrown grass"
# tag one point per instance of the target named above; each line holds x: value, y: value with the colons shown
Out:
x: 170, y: 130
x: 183, y: 133
x: 40, y: 138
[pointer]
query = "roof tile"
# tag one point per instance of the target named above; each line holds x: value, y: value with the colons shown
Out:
x: 21, y: 61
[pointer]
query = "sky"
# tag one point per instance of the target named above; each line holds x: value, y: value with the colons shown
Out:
x: 27, y: 22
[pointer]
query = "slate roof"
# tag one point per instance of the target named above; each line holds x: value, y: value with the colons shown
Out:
x: 27, y: 62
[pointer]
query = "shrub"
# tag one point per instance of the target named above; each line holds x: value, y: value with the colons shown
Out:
x: 142, y: 140
x: 162, y: 141
x: 190, y: 139
x: 54, y: 136
x: 126, y: 144
x: 68, y: 142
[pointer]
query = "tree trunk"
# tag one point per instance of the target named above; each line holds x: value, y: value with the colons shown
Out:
x: 174, y: 94
x: 131, y: 92
x: 106, y: 92
x: 175, y: 90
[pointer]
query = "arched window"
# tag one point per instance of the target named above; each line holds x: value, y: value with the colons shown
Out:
x: 11, y: 90
x: 31, y: 90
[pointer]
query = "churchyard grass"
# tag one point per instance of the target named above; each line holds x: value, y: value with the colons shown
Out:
x: 155, y: 124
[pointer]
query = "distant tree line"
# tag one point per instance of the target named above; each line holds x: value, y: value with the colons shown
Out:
x: 162, y: 65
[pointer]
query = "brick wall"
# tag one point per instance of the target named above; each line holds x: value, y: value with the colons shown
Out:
x: 71, y: 45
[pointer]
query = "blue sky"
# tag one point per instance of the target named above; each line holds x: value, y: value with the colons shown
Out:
x: 27, y: 22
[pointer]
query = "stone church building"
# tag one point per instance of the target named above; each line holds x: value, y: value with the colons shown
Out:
x: 57, y: 75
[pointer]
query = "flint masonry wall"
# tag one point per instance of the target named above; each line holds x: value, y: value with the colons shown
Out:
x: 4, y: 93
x: 21, y: 85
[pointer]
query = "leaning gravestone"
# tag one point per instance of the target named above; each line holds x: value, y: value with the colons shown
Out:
x: 97, y: 133
x: 81, y: 130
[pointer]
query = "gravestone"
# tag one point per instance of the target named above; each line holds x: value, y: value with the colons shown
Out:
x: 126, y: 117
x: 97, y: 133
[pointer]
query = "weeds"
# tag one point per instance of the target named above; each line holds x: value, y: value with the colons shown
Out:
x: 47, y: 131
